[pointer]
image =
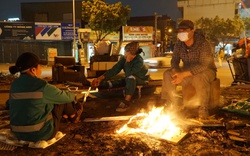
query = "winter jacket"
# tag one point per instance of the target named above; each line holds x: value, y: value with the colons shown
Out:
x: 31, y: 102
x: 136, y: 68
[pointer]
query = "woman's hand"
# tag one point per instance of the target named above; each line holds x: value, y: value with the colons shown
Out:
x: 96, y: 82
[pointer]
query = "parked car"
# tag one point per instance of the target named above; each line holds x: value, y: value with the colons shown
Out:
x: 158, y: 61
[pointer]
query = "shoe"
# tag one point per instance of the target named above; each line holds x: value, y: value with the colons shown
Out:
x: 79, y: 109
x: 123, y: 106
x: 203, y: 112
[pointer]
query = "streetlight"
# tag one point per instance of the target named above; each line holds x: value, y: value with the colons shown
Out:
x: 76, y: 54
x: 156, y: 17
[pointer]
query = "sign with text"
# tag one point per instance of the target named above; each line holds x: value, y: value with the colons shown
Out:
x: 113, y: 37
x: 137, y: 33
x: 67, y: 31
x: 17, y: 30
x: 48, y: 31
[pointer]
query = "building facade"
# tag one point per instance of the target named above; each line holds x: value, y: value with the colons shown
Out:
x: 195, y: 9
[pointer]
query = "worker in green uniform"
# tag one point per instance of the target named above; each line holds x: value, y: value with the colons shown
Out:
x: 35, y: 106
x: 136, y: 73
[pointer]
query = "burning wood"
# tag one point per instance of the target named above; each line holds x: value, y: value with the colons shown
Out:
x: 156, y: 124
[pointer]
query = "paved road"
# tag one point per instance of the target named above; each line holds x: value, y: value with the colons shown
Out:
x: 223, y: 73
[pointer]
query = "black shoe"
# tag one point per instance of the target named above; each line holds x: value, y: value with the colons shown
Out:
x: 123, y: 106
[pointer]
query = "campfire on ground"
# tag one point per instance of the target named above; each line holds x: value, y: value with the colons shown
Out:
x: 156, y: 123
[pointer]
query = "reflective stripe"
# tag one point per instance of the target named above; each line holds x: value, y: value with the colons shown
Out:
x: 132, y: 77
x: 27, y: 95
x: 110, y: 84
x: 31, y: 128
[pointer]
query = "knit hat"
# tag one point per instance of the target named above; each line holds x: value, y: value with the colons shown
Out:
x: 25, y: 61
x: 186, y: 24
x: 132, y: 47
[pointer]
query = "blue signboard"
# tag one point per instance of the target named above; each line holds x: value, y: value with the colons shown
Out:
x: 17, y: 30
x: 67, y: 31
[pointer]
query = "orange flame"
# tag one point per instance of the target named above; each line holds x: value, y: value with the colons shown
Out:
x: 155, y: 123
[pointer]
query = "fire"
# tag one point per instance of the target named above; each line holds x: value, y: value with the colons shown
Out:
x: 156, y: 123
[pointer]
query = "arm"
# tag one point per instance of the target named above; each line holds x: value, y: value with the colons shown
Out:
x: 175, y: 61
x: 115, y: 69
x: 132, y: 68
x: 54, y: 95
x: 110, y: 73
x: 205, y: 60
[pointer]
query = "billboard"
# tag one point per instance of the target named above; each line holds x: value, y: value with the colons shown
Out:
x: 137, y: 33
x: 113, y: 37
x: 17, y: 30
x: 48, y: 31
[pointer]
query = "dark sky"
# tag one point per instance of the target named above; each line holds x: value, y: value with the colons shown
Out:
x: 12, y: 8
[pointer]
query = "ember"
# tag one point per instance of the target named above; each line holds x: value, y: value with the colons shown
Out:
x: 156, y: 123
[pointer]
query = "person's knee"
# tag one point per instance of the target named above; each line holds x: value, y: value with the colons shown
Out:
x: 131, y: 79
x: 167, y: 75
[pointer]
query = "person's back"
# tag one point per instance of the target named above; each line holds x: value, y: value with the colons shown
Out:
x: 36, y: 106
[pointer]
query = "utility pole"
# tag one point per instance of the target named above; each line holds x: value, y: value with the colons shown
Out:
x: 156, y: 17
x: 75, y: 52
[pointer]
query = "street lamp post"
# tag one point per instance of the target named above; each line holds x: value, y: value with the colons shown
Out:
x: 156, y: 17
x: 75, y: 47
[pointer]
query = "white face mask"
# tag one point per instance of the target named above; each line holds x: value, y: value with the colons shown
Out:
x: 183, y: 36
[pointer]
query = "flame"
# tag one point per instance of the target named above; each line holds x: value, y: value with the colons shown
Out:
x: 155, y: 123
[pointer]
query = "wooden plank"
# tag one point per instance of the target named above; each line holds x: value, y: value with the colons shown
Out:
x: 232, y: 132
x: 109, y: 118
x: 235, y: 138
x: 174, y: 139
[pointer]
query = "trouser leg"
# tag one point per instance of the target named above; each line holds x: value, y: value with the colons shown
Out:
x: 130, y: 85
x: 168, y: 91
x: 58, y: 111
x: 201, y: 82
x: 112, y: 83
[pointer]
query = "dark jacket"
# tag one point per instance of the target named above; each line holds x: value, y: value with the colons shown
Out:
x: 136, y: 68
x: 197, y: 58
x: 31, y: 102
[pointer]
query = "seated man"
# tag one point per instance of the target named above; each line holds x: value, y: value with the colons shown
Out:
x: 135, y: 70
x: 36, y: 107
x: 198, y: 67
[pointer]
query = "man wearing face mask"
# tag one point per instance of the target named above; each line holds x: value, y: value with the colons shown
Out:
x: 135, y: 71
x: 198, y: 67
x: 36, y: 107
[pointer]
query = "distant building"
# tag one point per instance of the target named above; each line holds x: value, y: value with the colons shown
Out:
x: 195, y: 9
x: 51, y: 11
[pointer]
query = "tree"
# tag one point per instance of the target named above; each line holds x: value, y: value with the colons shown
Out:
x: 246, y: 21
x: 104, y: 18
x: 221, y: 30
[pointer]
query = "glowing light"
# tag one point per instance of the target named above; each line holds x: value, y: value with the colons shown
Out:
x: 155, y: 123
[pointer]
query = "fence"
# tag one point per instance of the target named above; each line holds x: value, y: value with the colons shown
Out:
x: 11, y: 49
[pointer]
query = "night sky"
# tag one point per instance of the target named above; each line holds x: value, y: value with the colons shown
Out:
x: 12, y: 8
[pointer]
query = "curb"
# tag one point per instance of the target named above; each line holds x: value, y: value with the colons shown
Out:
x: 4, y: 91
